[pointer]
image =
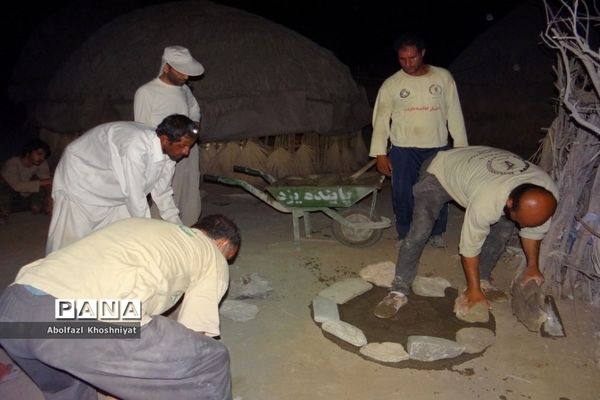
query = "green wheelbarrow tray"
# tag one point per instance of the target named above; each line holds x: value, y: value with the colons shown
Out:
x: 332, y: 194
x: 327, y: 190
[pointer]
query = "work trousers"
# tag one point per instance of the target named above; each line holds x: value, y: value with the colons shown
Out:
x: 168, y: 361
x: 430, y: 197
x: 406, y: 164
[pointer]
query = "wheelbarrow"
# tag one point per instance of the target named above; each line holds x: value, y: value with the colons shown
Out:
x: 327, y: 193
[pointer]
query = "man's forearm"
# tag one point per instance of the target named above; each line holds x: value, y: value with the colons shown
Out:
x: 531, y: 248
x: 471, y: 268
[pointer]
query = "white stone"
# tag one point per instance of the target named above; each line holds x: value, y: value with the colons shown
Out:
x: 385, y: 352
x: 429, y: 348
x: 325, y: 309
x: 475, y: 339
x: 343, y: 291
x: 346, y: 332
x: 238, y: 310
x: 430, y: 287
x: 250, y: 286
x: 380, y: 274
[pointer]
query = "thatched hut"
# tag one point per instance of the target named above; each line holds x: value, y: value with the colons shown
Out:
x: 261, y: 78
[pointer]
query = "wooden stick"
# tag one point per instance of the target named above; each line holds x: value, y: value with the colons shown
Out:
x: 363, y: 169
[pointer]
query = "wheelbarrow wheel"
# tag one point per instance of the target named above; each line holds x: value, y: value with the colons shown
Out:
x: 356, y: 237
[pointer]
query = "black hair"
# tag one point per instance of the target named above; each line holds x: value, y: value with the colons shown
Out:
x: 517, y: 193
x: 176, y: 126
x: 217, y: 226
x: 409, y: 39
x: 35, y: 144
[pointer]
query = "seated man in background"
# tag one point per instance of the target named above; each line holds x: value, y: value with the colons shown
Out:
x: 26, y: 181
x: 498, y: 189
x: 155, y: 262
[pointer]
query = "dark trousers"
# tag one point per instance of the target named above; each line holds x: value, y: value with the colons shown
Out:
x: 406, y: 164
x: 168, y: 361
x: 430, y: 198
x: 11, y: 201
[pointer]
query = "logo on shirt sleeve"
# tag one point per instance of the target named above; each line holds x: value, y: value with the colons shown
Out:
x: 435, y: 90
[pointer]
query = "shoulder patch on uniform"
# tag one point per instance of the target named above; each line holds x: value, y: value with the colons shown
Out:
x: 186, y: 230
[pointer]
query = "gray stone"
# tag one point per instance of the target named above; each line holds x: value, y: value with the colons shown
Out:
x: 385, y: 352
x: 477, y: 313
x: 343, y: 291
x: 345, y: 331
x: 238, y: 310
x: 475, y: 339
x: 325, y: 309
x: 429, y: 348
x: 380, y: 274
x: 430, y: 287
x: 250, y: 286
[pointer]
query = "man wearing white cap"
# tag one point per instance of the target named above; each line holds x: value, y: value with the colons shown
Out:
x: 165, y: 95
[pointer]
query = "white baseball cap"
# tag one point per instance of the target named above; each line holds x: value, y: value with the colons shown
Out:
x: 181, y: 60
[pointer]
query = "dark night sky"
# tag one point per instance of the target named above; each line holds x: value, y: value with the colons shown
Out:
x: 359, y: 32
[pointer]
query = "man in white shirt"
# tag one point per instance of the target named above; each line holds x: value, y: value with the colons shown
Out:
x: 415, y: 109
x: 169, y: 94
x: 106, y: 174
x: 155, y: 262
x: 498, y: 189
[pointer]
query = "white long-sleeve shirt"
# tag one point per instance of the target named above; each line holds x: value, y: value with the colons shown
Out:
x: 156, y: 100
x: 417, y: 111
x: 152, y: 103
x: 118, y: 163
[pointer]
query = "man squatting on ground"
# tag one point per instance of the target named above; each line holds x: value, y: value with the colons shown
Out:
x: 415, y: 109
x: 106, y: 174
x: 26, y: 181
x: 146, y: 259
x: 495, y: 187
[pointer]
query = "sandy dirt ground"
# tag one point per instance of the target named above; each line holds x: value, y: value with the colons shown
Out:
x: 282, y: 353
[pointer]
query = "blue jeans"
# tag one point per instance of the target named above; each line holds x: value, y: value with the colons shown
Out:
x: 406, y: 164
x: 430, y: 197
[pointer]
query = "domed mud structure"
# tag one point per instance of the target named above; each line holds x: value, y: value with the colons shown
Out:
x: 261, y: 78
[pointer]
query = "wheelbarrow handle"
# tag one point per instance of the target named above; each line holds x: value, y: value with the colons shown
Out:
x: 251, y: 171
x: 210, y: 178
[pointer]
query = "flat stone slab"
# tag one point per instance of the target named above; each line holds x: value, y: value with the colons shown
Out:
x: 325, y: 309
x: 250, y: 286
x: 379, y: 274
x: 346, y: 332
x: 238, y: 310
x: 475, y: 339
x: 430, y: 287
x: 343, y: 291
x: 429, y: 348
x: 478, y: 313
x: 385, y: 352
